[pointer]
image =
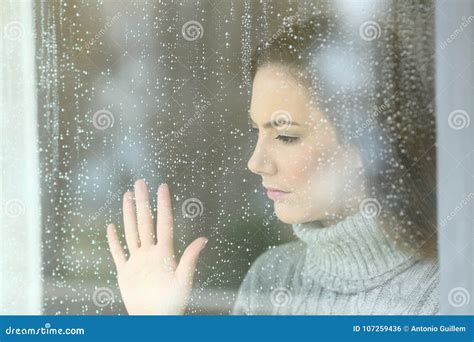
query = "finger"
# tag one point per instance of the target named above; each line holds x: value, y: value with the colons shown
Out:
x: 187, y: 264
x: 144, y: 218
x: 130, y: 222
x: 164, y: 226
x: 116, y: 249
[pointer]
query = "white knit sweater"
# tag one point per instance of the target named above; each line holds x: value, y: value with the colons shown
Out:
x: 350, y: 268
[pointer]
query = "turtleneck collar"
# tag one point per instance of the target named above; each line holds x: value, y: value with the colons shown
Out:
x: 350, y: 256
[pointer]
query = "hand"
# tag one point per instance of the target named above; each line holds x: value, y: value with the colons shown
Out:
x: 150, y: 281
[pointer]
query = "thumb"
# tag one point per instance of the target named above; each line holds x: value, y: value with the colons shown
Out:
x: 187, y: 265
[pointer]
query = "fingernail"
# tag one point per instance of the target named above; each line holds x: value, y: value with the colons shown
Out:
x: 140, y: 181
x: 162, y: 187
x: 204, y: 243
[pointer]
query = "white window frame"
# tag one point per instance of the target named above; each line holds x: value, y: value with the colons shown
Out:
x: 20, y: 225
x: 455, y: 145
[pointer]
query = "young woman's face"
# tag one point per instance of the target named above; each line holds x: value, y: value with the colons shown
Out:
x: 297, y: 153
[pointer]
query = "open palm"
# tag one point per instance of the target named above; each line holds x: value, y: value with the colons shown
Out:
x: 151, y: 281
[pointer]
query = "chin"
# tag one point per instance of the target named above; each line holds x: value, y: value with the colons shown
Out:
x: 292, y: 214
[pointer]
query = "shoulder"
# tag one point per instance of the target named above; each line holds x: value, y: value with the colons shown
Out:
x: 271, y: 269
x: 422, y: 287
x: 429, y: 300
x: 279, y: 256
x: 426, y: 273
x: 276, y: 262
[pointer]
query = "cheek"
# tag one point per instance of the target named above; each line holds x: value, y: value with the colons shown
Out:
x: 301, y: 168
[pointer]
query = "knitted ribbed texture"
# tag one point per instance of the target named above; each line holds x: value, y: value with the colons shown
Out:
x: 350, y: 268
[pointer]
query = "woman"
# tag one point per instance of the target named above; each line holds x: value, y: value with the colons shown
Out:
x: 347, y: 159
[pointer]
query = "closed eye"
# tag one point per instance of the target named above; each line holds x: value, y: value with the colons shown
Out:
x: 283, y: 138
x: 287, y: 139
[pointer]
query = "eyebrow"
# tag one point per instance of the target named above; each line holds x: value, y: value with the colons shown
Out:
x: 273, y: 124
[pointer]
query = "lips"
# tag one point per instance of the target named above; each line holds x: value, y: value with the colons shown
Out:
x: 276, y: 194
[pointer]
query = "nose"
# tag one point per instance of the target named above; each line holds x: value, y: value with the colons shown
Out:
x: 261, y: 162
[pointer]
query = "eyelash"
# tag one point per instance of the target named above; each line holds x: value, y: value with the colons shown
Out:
x: 283, y: 138
x: 286, y: 139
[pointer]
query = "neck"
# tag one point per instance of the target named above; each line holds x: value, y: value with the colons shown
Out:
x: 351, y: 254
